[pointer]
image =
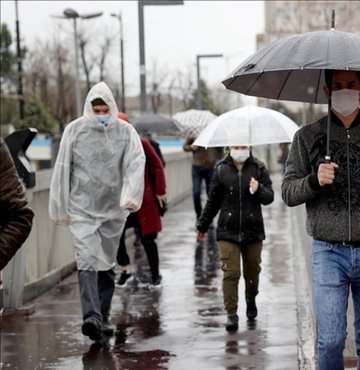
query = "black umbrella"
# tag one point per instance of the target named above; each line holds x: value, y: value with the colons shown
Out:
x: 292, y: 68
x: 155, y: 124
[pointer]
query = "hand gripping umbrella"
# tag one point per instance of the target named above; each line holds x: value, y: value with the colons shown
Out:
x: 292, y: 68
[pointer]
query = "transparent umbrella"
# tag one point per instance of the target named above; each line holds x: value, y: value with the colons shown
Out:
x: 193, y: 121
x: 247, y: 126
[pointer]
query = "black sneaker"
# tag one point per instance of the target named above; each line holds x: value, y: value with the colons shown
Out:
x: 92, y: 329
x: 251, y: 309
x: 125, y: 278
x: 156, y: 282
x: 232, y: 323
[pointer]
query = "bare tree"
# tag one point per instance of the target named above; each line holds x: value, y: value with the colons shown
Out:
x: 157, y: 81
x: 104, y: 52
x: 185, y: 86
x: 87, y: 65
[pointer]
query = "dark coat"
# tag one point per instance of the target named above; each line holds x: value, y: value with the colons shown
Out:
x: 333, y: 211
x: 155, y: 184
x: 240, y: 218
x: 15, y: 214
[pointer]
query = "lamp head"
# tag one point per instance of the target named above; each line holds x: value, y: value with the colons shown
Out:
x: 92, y: 15
x: 71, y: 13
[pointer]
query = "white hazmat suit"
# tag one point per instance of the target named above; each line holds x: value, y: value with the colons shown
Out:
x: 98, y: 178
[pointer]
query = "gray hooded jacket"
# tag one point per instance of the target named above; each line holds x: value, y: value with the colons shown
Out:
x: 333, y: 212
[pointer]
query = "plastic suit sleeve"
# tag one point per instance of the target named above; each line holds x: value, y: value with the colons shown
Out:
x: 133, y: 175
x: 60, y: 181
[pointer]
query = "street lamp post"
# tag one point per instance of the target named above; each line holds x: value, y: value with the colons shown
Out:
x: 19, y: 65
x: 74, y: 15
x: 198, y: 92
x: 122, y: 97
x: 141, y: 4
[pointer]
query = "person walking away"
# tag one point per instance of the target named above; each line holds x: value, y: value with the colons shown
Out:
x: 284, y: 147
x: 98, y: 179
x: 203, y: 162
x: 332, y: 197
x: 16, y: 216
x: 147, y: 219
x: 240, y: 186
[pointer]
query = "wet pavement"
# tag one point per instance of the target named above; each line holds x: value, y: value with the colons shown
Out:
x: 181, y: 325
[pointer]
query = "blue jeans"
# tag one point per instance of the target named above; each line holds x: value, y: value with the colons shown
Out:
x: 198, y: 175
x: 96, y: 292
x: 335, y: 268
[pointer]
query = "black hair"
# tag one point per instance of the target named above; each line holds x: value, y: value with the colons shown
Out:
x: 97, y: 101
x: 329, y: 73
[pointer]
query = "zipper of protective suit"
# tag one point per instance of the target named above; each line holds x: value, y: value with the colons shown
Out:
x: 349, y: 180
x: 108, y: 141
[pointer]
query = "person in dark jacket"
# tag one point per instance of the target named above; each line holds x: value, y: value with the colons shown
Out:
x: 331, y: 192
x: 240, y: 185
x: 203, y: 162
x: 16, y: 215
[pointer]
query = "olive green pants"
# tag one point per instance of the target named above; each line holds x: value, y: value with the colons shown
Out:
x: 230, y: 258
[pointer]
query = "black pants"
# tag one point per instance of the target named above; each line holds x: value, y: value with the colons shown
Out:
x: 149, y: 243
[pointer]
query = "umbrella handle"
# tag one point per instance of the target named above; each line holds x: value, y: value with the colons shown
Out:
x: 327, y: 155
x: 333, y: 19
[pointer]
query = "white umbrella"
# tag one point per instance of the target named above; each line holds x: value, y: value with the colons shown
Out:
x: 247, y: 126
x: 193, y: 121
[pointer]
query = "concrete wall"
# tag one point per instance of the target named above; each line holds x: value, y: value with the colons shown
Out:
x: 50, y: 254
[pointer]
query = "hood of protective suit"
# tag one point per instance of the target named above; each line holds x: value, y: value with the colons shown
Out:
x: 100, y: 90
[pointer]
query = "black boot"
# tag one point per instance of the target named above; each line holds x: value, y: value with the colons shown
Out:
x: 92, y: 328
x: 108, y: 329
x: 232, y: 323
x: 251, y: 309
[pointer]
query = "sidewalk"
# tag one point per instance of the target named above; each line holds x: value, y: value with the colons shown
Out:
x: 180, y: 326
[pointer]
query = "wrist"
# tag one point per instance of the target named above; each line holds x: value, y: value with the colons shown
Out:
x: 314, y: 182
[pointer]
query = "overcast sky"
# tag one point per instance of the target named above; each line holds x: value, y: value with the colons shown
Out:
x: 174, y: 35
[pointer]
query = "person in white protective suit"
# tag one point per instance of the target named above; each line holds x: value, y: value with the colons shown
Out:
x: 98, y: 179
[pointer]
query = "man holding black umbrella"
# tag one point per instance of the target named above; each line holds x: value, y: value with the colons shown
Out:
x: 330, y: 187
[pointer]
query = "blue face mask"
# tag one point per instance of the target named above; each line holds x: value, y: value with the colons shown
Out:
x: 103, y: 118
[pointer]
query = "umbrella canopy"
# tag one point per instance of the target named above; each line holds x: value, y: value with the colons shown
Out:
x: 155, y: 124
x: 248, y: 126
x: 193, y: 121
x: 292, y: 68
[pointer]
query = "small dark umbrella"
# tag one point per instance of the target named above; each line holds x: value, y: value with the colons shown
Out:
x: 292, y: 68
x: 155, y: 124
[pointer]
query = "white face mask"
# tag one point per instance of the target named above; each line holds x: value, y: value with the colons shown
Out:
x: 345, y: 101
x: 240, y: 155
